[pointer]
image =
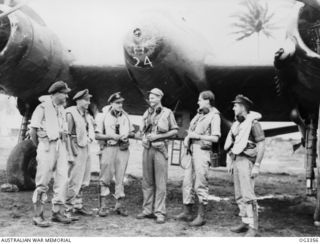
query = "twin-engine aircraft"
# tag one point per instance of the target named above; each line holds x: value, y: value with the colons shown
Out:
x: 181, y: 47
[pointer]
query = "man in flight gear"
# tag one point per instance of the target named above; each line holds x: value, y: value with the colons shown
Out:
x: 81, y: 132
x: 158, y: 124
x: 114, y: 130
x: 49, y: 134
x: 245, y: 144
x: 204, y: 130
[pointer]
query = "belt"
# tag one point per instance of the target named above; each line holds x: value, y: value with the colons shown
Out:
x: 242, y: 155
x: 196, y: 142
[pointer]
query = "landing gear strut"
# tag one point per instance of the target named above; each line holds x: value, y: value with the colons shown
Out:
x: 316, y: 215
x: 21, y: 163
x: 311, y: 154
x: 24, y: 124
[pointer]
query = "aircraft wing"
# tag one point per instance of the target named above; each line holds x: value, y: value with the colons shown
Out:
x: 256, y: 82
x: 280, y: 130
x: 102, y: 81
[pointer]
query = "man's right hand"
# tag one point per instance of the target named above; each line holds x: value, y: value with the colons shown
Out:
x: 186, y: 141
x: 34, y: 136
x: 229, y: 164
x: 116, y: 137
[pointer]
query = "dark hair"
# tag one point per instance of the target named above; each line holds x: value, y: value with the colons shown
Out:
x: 208, y: 95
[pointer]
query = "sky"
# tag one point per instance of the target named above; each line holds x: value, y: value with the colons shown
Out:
x: 94, y: 30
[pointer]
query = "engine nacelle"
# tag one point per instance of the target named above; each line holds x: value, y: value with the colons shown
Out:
x: 31, y: 56
x: 298, y: 61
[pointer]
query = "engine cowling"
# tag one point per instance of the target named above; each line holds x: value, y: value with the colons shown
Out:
x: 31, y: 56
x: 298, y: 62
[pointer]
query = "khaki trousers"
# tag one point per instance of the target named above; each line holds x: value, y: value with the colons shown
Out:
x: 244, y: 191
x: 195, y: 179
x: 113, y: 163
x: 52, y: 162
x: 79, y: 177
x: 154, y: 182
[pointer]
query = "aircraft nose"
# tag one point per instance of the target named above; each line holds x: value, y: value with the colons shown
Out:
x: 5, y: 30
x: 142, y: 45
x: 138, y: 50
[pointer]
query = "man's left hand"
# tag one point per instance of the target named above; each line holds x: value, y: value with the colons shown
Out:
x: 255, y: 171
x: 193, y: 135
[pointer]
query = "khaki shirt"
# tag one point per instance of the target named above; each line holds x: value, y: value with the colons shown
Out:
x: 207, y: 124
x: 256, y: 133
x: 158, y: 122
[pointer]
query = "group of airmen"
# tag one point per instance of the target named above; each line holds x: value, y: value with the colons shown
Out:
x: 63, y: 136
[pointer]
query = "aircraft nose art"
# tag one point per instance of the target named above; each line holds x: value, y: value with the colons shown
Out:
x: 142, y: 47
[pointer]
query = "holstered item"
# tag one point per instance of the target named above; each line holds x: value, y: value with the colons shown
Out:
x: 251, y: 152
x: 146, y: 143
x: 161, y: 147
x: 206, y: 145
x: 186, y: 160
x: 70, y: 154
x: 74, y: 147
x: 124, y: 145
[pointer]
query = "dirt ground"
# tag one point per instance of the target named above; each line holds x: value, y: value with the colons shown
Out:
x: 284, y: 208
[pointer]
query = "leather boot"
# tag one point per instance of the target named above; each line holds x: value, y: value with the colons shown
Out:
x: 83, y: 211
x: 103, y: 211
x: 119, y: 207
x: 200, y: 219
x: 38, y: 218
x: 186, y: 214
x: 251, y: 232
x: 160, y: 219
x: 240, y: 228
x: 70, y: 214
x: 146, y: 216
x: 61, y: 218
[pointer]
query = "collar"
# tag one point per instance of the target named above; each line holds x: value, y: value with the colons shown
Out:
x: 159, y: 108
x: 204, y: 111
x: 116, y: 113
x: 241, y: 117
x: 81, y: 112
x: 53, y: 103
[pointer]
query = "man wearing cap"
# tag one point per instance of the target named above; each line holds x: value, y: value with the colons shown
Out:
x: 158, y: 124
x: 245, y: 144
x: 114, y: 130
x: 81, y: 131
x: 49, y: 133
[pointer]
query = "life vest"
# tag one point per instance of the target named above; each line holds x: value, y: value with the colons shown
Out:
x: 55, y: 120
x: 238, y: 137
x: 158, y: 123
x: 201, y: 124
x: 109, y: 122
x: 83, y: 134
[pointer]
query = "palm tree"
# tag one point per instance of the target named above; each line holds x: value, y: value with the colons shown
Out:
x: 256, y: 19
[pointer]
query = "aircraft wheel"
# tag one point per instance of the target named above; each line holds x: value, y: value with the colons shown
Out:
x: 21, y: 165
